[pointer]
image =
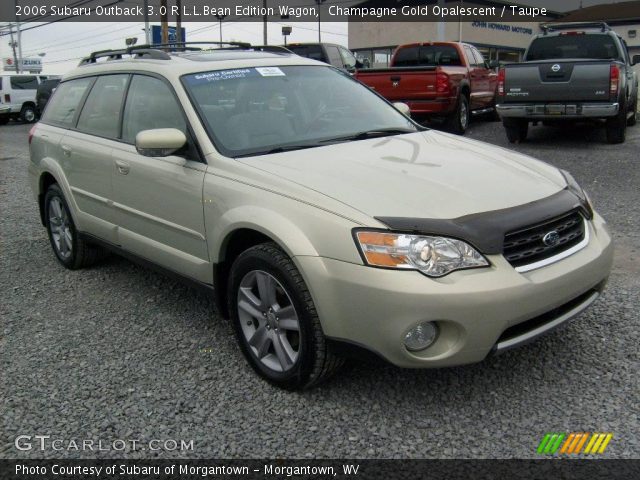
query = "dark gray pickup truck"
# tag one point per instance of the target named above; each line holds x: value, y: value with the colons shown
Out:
x: 571, y: 71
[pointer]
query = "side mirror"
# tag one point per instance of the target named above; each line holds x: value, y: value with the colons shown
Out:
x: 494, y: 64
x: 635, y: 60
x: 403, y: 108
x: 160, y: 142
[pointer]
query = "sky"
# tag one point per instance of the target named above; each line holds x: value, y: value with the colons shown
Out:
x: 64, y: 43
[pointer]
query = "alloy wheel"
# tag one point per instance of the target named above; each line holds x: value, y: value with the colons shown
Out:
x: 269, y: 321
x: 60, y: 228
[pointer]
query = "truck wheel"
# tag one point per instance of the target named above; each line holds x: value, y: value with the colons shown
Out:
x: 4, y: 120
x: 516, y: 129
x: 632, y: 119
x: 617, y: 127
x: 275, y: 320
x: 459, y: 121
x: 28, y: 114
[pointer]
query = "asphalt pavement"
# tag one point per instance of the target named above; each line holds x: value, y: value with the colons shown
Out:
x: 117, y: 352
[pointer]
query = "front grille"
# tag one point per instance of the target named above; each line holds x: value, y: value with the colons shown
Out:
x: 526, y: 246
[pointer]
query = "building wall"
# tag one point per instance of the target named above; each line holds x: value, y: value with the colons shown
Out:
x: 505, y: 41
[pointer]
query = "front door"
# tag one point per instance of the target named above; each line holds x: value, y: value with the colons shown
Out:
x: 158, y: 200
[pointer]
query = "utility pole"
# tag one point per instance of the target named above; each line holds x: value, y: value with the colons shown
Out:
x: 319, y: 3
x: 264, y: 23
x: 147, y: 32
x: 13, y: 46
x: 220, y: 18
x: 19, y: 35
x: 179, y: 38
x: 164, y: 22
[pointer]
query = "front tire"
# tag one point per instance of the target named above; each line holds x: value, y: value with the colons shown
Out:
x: 275, y: 320
x: 516, y: 129
x: 70, y: 249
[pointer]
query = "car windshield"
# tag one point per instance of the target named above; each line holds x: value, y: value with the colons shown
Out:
x: 574, y: 45
x: 254, y: 111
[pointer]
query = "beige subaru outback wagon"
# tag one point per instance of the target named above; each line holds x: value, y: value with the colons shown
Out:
x: 317, y: 213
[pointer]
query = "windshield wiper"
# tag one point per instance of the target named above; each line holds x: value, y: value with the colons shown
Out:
x: 284, y: 148
x: 375, y: 133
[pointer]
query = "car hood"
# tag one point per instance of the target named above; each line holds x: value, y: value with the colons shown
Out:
x: 424, y: 175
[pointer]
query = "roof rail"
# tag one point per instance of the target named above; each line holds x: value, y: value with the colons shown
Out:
x: 160, y: 51
x: 185, y: 45
x: 553, y: 27
x: 139, y: 51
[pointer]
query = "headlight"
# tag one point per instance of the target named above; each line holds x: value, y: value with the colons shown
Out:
x: 575, y: 188
x: 433, y: 256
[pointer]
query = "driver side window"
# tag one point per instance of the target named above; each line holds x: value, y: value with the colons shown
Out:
x: 150, y: 104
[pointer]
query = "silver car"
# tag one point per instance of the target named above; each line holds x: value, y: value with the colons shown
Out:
x: 321, y: 218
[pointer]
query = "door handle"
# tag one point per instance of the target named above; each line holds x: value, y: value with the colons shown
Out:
x: 123, y: 168
x: 66, y: 150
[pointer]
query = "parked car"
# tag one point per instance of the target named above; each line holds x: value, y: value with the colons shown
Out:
x: 315, y: 213
x: 18, y: 93
x: 333, y: 54
x: 437, y: 79
x: 572, y: 71
x: 43, y: 93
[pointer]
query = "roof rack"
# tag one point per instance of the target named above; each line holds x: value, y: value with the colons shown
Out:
x: 158, y: 51
x: 553, y: 27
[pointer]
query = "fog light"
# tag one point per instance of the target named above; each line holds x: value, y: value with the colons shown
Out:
x: 421, y: 336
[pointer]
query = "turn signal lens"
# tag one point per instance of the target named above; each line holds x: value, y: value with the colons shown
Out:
x: 615, y: 80
x: 433, y: 256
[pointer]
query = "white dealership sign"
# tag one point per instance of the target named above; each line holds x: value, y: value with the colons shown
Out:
x: 29, y: 64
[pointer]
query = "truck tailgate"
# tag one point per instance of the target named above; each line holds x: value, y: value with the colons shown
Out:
x: 401, y: 84
x: 549, y: 81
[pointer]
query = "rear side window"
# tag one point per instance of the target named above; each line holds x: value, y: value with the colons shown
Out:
x: 406, y: 57
x: 334, y: 56
x: 101, y: 112
x: 150, y: 104
x: 439, y: 55
x: 309, y: 51
x: 62, y: 107
x: 592, y: 46
x: 24, y: 83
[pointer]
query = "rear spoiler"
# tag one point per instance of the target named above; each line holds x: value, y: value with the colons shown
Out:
x: 555, y: 27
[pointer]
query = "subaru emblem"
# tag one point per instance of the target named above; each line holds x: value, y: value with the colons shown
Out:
x: 551, y: 239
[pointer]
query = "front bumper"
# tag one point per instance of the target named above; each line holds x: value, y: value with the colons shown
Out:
x: 570, y: 110
x: 374, y: 308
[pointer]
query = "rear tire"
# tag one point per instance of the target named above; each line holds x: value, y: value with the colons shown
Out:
x: 459, y: 121
x: 632, y: 120
x: 264, y: 282
x: 28, y: 114
x: 516, y: 129
x: 72, y: 251
x: 617, y: 127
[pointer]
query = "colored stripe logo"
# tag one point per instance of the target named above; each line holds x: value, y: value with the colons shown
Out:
x: 574, y: 443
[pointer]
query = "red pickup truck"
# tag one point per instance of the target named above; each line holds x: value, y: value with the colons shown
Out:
x: 437, y: 79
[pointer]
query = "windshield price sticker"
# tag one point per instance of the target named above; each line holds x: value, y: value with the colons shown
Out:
x: 270, y: 71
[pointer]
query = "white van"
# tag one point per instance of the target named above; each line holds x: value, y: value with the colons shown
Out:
x: 18, y: 96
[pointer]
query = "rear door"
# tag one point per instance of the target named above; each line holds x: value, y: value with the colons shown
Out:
x: 86, y: 155
x: 158, y: 200
x: 23, y: 88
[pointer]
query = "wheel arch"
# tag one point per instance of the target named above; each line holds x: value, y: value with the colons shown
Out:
x: 242, y: 234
